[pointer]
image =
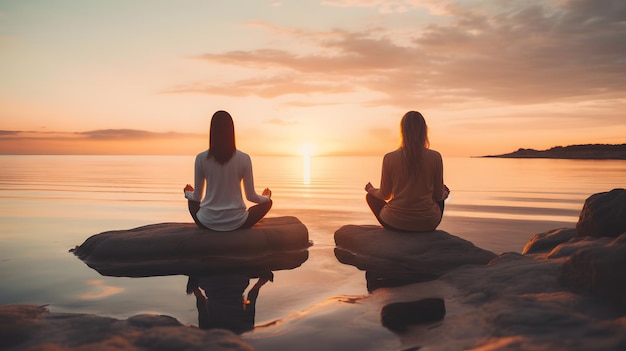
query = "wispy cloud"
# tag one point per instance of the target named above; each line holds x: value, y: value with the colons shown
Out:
x: 266, y: 87
x: 540, y: 52
x: 102, y: 135
x: 383, y: 6
x: 110, y: 141
x: 280, y: 122
x: 132, y: 134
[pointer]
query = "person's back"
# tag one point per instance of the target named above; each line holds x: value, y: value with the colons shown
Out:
x: 411, y: 192
x: 412, y: 206
x: 222, y: 205
x: 220, y: 171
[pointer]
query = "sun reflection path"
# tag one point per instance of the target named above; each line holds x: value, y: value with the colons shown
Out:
x: 306, y: 150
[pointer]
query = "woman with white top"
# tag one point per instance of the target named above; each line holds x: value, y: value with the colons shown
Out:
x: 218, y: 173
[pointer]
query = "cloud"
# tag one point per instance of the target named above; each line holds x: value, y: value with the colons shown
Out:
x: 102, y: 135
x: 280, y: 122
x: 110, y: 141
x: 131, y: 134
x: 383, y: 6
x: 309, y: 103
x: 539, y: 52
x: 266, y: 87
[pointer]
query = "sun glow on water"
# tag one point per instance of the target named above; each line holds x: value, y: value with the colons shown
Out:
x: 307, y: 151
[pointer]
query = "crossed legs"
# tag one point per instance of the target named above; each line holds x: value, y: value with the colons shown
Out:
x: 255, y: 213
x: 376, y: 205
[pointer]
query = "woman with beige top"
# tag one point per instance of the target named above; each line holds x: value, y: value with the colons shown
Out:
x: 411, y: 194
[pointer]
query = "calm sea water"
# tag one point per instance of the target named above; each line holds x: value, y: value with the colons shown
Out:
x: 49, y: 204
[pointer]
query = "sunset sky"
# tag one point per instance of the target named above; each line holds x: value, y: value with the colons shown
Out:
x: 145, y: 76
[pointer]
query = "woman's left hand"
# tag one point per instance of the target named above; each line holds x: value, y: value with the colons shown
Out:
x: 267, y: 192
x: 188, y: 187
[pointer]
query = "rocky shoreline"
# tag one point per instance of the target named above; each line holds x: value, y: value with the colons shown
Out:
x: 566, y: 290
x: 579, y: 152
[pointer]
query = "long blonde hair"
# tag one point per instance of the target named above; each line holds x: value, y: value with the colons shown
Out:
x: 413, y: 142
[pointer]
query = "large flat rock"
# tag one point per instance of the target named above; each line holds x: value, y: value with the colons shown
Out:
x: 183, y: 248
x: 26, y: 327
x: 398, y: 254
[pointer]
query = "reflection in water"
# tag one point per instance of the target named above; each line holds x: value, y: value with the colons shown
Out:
x: 221, y: 303
x: 100, y: 290
x: 306, y: 178
x: 398, y: 316
x: 307, y: 150
x: 381, y: 273
x: 375, y: 280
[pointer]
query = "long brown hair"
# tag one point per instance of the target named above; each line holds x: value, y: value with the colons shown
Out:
x: 414, y: 140
x: 222, y: 137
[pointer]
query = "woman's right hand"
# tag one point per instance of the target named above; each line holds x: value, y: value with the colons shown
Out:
x: 188, y: 187
x: 369, y: 187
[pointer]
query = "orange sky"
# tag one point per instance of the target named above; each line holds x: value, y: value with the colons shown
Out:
x: 144, y: 77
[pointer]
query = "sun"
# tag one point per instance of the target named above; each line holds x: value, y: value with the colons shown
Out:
x: 307, y: 150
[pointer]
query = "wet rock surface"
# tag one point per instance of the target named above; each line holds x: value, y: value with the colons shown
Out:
x: 603, y: 214
x: 27, y: 327
x: 183, y: 248
x: 424, y: 254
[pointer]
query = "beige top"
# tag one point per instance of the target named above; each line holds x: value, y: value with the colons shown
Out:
x: 412, y: 202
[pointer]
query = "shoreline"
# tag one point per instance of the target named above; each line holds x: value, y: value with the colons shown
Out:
x: 571, y: 152
x: 484, y: 311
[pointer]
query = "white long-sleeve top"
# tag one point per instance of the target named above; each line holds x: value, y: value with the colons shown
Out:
x: 222, y: 207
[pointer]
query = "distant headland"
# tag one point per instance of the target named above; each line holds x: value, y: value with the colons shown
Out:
x: 580, y: 152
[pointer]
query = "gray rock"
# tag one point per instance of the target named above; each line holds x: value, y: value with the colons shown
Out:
x: 545, y: 242
x: 576, y: 244
x: 153, y: 320
x: 25, y: 327
x: 599, y: 271
x: 183, y: 248
x: 603, y: 214
x: 427, y: 254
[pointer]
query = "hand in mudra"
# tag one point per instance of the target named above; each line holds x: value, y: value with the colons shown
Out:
x: 267, y: 192
x: 446, y: 192
x: 188, y: 188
